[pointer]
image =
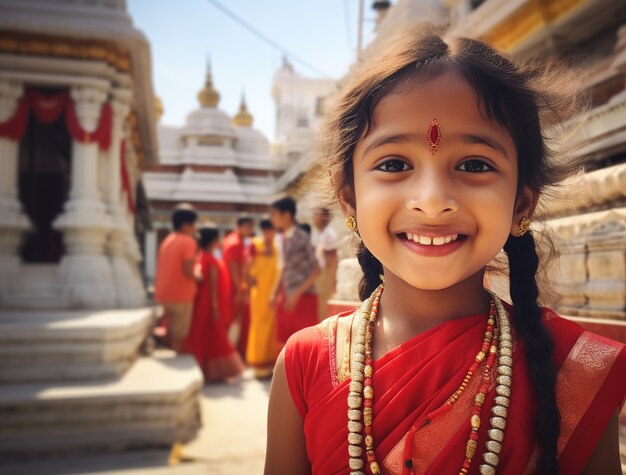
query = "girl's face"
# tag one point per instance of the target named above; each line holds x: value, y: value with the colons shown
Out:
x: 435, y: 219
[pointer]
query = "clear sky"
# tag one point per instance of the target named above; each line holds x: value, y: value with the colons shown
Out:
x: 183, y: 33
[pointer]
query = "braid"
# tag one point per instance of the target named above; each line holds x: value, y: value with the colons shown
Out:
x: 523, y: 263
x: 372, y: 268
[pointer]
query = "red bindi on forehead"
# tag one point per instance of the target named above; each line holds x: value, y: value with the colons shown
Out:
x: 433, y: 136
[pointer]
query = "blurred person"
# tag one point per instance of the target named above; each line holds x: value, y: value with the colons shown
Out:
x: 234, y: 256
x: 294, y: 299
x: 326, y: 243
x: 306, y: 227
x: 175, y: 285
x: 207, y: 339
x: 262, y: 343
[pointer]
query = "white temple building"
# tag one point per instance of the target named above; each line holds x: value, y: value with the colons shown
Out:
x: 299, y: 111
x: 77, y: 127
x: 220, y: 164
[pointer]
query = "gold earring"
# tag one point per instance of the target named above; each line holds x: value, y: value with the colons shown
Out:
x: 524, y: 226
x: 351, y: 224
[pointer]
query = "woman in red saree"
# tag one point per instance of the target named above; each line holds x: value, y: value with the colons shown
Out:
x: 207, y: 339
x: 436, y: 156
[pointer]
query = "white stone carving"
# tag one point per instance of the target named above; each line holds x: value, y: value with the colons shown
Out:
x: 13, y: 221
x: 85, y: 271
x: 129, y: 291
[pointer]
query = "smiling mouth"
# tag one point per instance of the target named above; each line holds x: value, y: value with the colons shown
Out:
x: 432, y: 241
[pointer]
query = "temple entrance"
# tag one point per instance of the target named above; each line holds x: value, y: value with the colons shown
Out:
x: 44, y: 184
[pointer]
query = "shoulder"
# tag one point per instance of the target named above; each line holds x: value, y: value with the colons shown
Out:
x: 566, y: 328
x: 308, y: 340
x: 209, y: 259
x: 186, y: 242
x: 584, y: 349
x: 231, y: 239
x: 312, y: 343
x: 558, y: 325
x: 301, y: 236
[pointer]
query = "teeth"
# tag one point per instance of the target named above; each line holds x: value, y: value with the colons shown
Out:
x: 428, y: 241
x: 425, y: 240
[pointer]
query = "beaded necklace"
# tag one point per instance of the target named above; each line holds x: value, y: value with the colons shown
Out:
x: 497, y: 344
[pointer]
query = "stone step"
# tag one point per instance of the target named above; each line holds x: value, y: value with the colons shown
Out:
x: 155, y: 403
x: 36, y: 287
x: 55, y: 345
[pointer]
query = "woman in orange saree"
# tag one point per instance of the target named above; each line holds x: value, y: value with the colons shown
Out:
x: 417, y: 378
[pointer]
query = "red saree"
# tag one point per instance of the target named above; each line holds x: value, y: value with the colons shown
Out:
x: 304, y: 314
x: 416, y: 378
x: 207, y: 339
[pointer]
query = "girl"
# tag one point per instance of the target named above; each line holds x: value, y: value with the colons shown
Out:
x: 207, y: 338
x: 437, y: 159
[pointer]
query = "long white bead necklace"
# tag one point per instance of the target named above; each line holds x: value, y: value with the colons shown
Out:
x: 361, y: 392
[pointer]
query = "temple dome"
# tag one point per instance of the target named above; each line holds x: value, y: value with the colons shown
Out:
x: 208, y: 119
x: 252, y: 142
x: 243, y: 117
x: 208, y: 95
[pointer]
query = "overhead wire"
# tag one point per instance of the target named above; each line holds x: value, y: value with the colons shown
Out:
x: 347, y: 19
x: 262, y: 36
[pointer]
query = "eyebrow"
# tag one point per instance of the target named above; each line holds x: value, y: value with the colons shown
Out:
x: 465, y: 138
x: 484, y: 140
x: 390, y: 139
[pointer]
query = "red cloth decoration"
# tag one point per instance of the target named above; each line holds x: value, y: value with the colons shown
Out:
x: 126, y: 186
x: 102, y: 134
x: 104, y: 127
x: 15, y: 127
x: 47, y: 108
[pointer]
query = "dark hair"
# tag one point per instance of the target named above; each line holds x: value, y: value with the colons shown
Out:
x: 286, y: 204
x: 183, y: 214
x: 522, y: 100
x: 266, y: 224
x: 243, y: 220
x: 207, y: 235
x: 306, y: 227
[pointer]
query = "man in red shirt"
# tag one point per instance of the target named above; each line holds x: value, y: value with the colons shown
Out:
x: 175, y: 285
x: 234, y: 256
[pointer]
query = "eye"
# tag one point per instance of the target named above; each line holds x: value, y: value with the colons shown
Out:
x: 393, y: 166
x: 475, y: 166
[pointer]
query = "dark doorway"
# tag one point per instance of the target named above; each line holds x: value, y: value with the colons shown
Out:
x: 44, y: 183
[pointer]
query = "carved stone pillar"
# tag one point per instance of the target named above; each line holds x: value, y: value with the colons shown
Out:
x: 606, y: 267
x: 570, y: 276
x: 619, y: 63
x: 13, y: 222
x: 128, y: 285
x: 132, y: 250
x: 86, y: 275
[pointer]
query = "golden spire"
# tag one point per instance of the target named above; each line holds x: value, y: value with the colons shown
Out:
x: 208, y: 95
x: 158, y: 108
x: 243, y: 117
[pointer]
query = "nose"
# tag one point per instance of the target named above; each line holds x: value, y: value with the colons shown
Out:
x: 432, y: 196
